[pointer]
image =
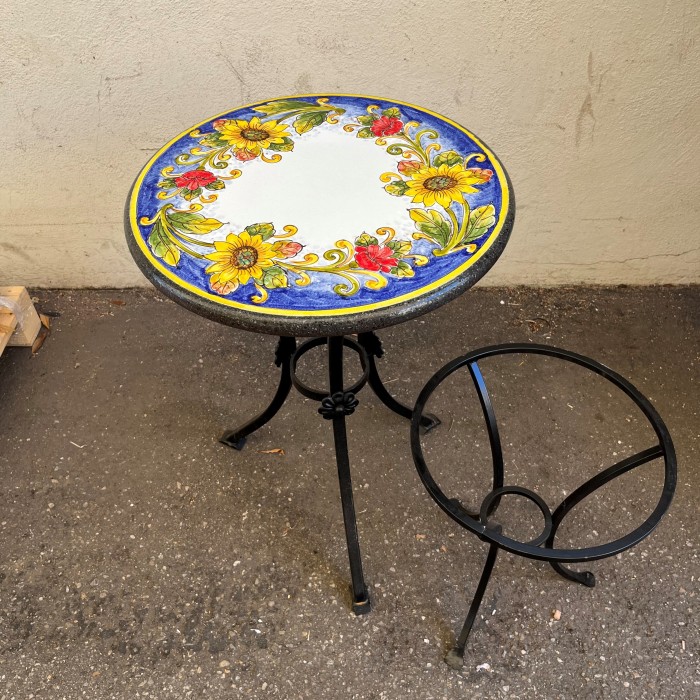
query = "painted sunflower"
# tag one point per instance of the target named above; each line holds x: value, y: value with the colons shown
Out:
x: 250, y: 137
x: 238, y: 259
x: 445, y: 184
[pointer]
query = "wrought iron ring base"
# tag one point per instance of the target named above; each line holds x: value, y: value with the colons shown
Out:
x: 541, y: 547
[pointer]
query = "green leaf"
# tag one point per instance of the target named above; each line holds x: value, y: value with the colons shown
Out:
x: 306, y: 122
x: 392, y: 113
x: 279, y: 106
x: 162, y: 246
x: 426, y: 216
x: 365, y: 133
x: 275, y: 277
x: 480, y: 221
x: 265, y: 231
x: 366, y: 119
x: 400, y: 248
x: 189, y: 195
x: 213, y: 140
x: 168, y: 183
x: 397, y: 188
x: 432, y: 224
x: 286, y: 145
x: 216, y: 185
x: 447, y: 158
x: 402, y: 269
x: 365, y: 239
x: 191, y: 222
x: 440, y: 232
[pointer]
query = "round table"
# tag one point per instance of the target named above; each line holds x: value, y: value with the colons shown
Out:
x: 321, y: 216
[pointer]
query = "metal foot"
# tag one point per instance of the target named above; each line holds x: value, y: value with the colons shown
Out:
x: 230, y: 438
x: 373, y: 347
x: 283, y: 358
x: 585, y: 578
x: 362, y: 606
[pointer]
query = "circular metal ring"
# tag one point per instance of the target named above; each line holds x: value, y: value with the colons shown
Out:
x: 320, y: 394
x: 530, y: 495
x: 664, y: 449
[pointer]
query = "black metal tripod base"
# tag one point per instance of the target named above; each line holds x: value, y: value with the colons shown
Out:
x: 236, y: 440
x: 286, y: 355
x: 337, y: 402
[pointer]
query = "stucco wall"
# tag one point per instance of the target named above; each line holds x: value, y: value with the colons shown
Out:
x: 592, y: 105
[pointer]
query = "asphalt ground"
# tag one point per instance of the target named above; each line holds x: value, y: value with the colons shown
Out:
x: 142, y: 559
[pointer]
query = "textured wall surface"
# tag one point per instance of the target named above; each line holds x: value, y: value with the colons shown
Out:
x: 593, y: 107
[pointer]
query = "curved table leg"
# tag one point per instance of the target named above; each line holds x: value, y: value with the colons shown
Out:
x: 373, y: 347
x: 283, y: 358
x: 455, y: 657
x: 586, y: 578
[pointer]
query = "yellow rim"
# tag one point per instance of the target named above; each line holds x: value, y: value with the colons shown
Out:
x: 505, y: 203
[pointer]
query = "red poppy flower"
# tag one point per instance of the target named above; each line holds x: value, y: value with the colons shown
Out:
x: 375, y: 257
x: 386, y: 126
x: 194, y: 179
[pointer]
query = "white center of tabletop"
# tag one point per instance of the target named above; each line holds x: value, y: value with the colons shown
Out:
x: 328, y: 187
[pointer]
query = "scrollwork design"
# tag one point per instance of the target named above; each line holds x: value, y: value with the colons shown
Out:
x: 432, y: 177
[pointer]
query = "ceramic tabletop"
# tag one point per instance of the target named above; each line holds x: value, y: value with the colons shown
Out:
x: 319, y: 213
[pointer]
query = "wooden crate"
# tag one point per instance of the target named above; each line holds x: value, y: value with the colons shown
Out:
x: 19, y: 322
x: 8, y: 323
